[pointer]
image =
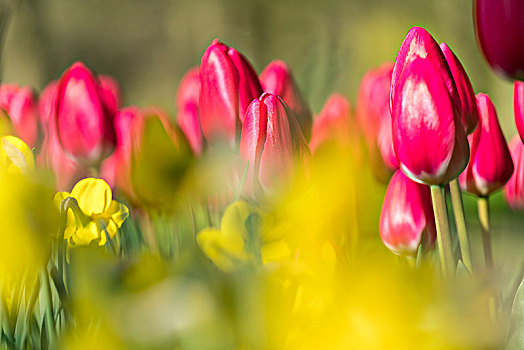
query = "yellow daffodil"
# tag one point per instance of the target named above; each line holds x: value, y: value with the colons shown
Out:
x: 15, y: 156
x: 92, y: 214
x: 242, y: 236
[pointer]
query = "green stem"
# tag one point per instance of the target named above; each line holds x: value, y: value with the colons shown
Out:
x: 443, y: 236
x: 47, y: 299
x: 460, y: 220
x: 483, y: 209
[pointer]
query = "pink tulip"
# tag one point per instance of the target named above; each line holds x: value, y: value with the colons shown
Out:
x: 514, y: 189
x: 228, y: 84
x: 21, y: 107
x: 271, y: 142
x: 277, y: 79
x: 109, y: 93
x: 333, y: 123
x: 407, y: 220
x: 187, y: 107
x: 374, y: 115
x: 47, y: 104
x: 470, y: 114
x: 490, y: 165
x: 500, y: 33
x: 518, y: 105
x: 84, y: 115
x: 428, y: 136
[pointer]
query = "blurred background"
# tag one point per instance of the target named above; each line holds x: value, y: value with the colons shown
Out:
x: 148, y: 45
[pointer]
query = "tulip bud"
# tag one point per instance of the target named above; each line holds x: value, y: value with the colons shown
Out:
x: 374, y: 117
x: 514, y: 189
x: 20, y: 106
x: 428, y: 136
x: 490, y: 165
x: 109, y: 93
x: 160, y: 158
x: 84, y: 115
x: 333, y: 123
x: 187, y: 107
x: 518, y: 105
x: 47, y: 104
x: 277, y: 79
x: 228, y: 84
x: 271, y: 142
x: 407, y: 220
x: 500, y: 33
x: 470, y: 114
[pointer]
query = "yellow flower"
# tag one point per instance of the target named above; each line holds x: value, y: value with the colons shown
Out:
x: 92, y: 214
x: 15, y: 156
x: 243, y: 236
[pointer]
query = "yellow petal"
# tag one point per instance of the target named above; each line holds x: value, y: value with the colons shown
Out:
x: 234, y: 219
x: 85, y: 234
x: 59, y: 197
x: 16, y: 156
x: 226, y: 252
x: 275, y: 252
x: 93, y: 195
x: 117, y: 212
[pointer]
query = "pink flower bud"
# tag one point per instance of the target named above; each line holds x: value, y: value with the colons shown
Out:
x: 271, y: 142
x: 47, y: 104
x: 490, y: 165
x: 500, y: 33
x: 374, y: 115
x: 278, y: 80
x: 187, y: 107
x: 428, y: 136
x: 333, y: 123
x: 514, y: 189
x: 109, y: 93
x: 518, y: 105
x: 470, y: 114
x: 20, y: 106
x: 84, y: 115
x: 228, y: 84
x: 407, y: 220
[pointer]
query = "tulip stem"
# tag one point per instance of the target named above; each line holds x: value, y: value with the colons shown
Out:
x: 460, y: 221
x: 443, y: 236
x: 483, y: 210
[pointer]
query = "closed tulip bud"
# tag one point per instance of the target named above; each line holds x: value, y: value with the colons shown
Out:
x: 374, y: 116
x: 277, y: 79
x: 428, y: 136
x: 47, y: 104
x: 514, y: 189
x: 407, y: 220
x: 84, y: 116
x: 110, y: 93
x: 228, y: 84
x: 490, y: 165
x: 518, y: 104
x: 271, y: 142
x: 187, y: 106
x: 333, y: 123
x: 500, y: 33
x: 21, y: 107
x: 470, y: 114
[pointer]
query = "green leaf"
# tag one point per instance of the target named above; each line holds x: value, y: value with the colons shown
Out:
x: 516, y: 333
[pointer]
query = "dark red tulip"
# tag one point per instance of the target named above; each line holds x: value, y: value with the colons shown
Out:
x: 499, y: 26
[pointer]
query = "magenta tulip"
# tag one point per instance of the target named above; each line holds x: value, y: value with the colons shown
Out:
x: 187, y: 107
x: 374, y: 116
x: 490, y: 165
x: 514, y: 189
x: 228, y: 84
x: 271, y: 142
x: 518, y: 104
x: 407, y: 220
x: 277, y: 79
x: 500, y: 32
x: 333, y: 123
x: 21, y: 107
x: 428, y: 136
x: 84, y: 115
x: 470, y: 114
